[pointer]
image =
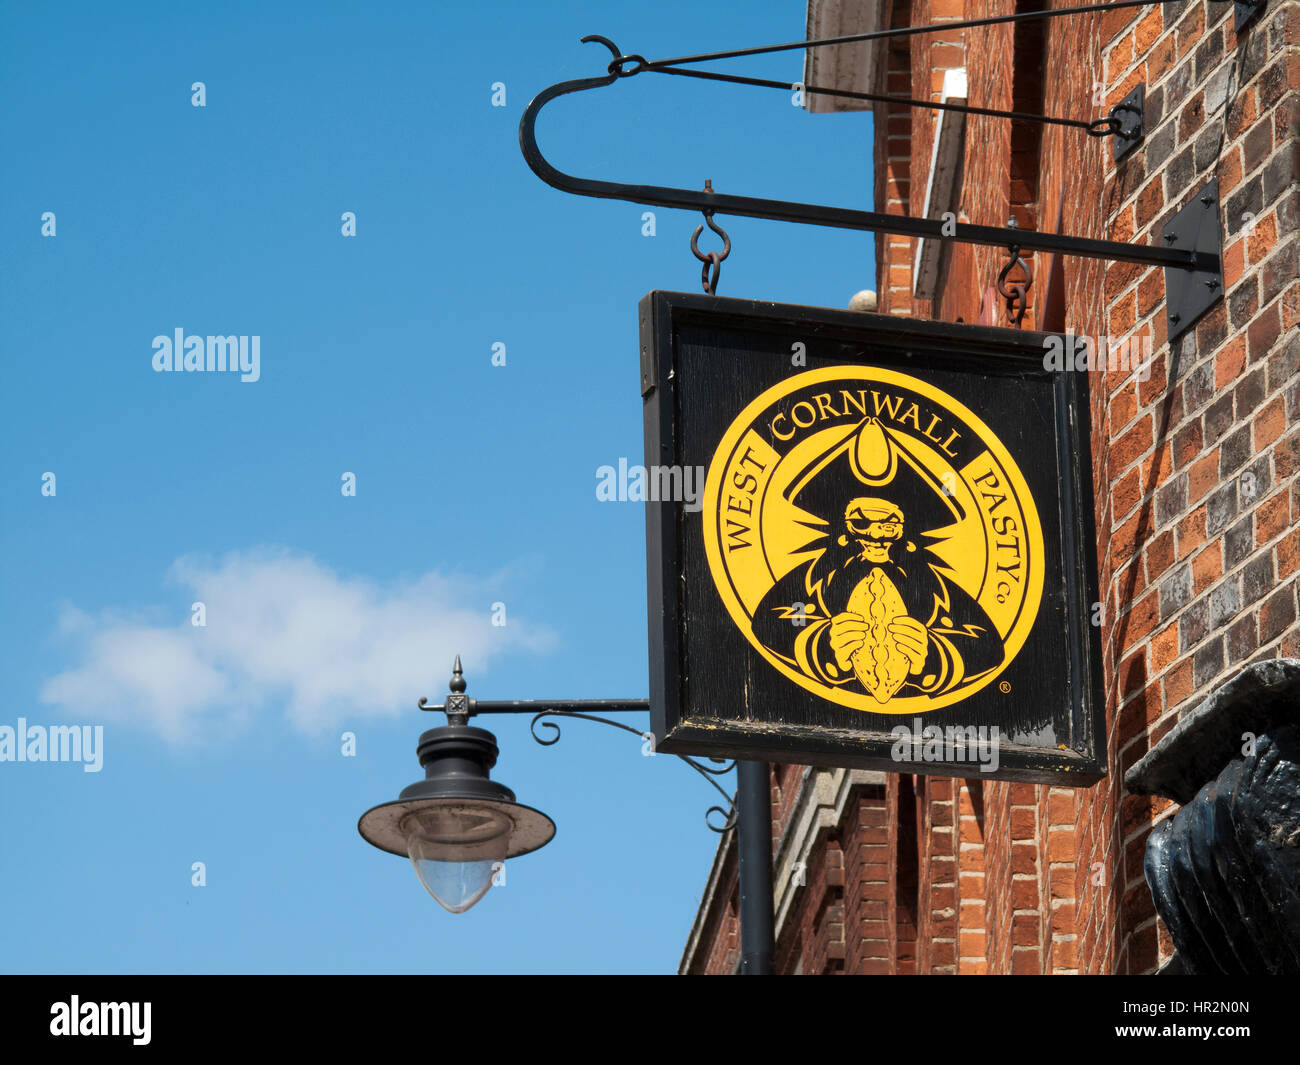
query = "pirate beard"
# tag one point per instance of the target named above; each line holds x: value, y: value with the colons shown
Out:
x: 838, y: 570
x: 794, y: 619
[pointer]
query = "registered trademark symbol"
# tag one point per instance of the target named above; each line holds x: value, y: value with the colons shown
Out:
x: 1004, y: 687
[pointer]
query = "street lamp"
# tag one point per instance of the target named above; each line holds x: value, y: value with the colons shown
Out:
x: 456, y: 825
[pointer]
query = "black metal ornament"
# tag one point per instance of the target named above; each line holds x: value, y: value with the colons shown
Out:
x: 1224, y: 871
x: 1016, y: 293
x: 713, y: 259
x: 459, y: 708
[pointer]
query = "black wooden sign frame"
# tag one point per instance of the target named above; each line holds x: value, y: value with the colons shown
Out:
x: 703, y: 358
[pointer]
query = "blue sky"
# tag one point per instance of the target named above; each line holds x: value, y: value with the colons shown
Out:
x: 475, y: 484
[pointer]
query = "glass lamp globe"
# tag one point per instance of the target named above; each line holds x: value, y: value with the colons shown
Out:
x: 457, y: 851
x: 457, y: 825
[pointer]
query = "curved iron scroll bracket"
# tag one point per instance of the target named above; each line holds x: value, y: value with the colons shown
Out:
x: 1181, y: 264
x: 708, y: 773
x: 459, y: 708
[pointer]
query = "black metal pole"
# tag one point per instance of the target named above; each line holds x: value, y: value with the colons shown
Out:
x: 754, y: 844
x: 533, y: 706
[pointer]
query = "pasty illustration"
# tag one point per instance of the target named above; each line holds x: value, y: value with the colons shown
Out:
x: 879, y: 664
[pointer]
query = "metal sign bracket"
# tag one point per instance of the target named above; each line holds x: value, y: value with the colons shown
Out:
x: 1190, y: 293
x: 1191, y: 256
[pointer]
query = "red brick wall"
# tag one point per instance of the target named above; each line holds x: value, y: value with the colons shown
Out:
x: 1197, y: 498
x: 869, y: 928
x: 893, y: 163
x: 843, y: 918
x: 1197, y: 529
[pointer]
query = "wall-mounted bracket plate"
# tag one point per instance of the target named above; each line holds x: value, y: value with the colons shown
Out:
x: 1244, y: 11
x: 1130, y: 113
x: 1189, y: 293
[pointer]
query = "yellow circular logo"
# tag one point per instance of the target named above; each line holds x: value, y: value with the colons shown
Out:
x: 873, y: 540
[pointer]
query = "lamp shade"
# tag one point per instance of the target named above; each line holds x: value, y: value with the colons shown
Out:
x: 457, y: 826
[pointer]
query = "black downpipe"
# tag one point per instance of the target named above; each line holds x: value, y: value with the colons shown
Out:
x: 754, y: 844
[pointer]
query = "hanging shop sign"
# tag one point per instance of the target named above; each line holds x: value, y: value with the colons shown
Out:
x: 869, y: 543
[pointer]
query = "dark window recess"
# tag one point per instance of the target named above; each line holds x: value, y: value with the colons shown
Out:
x: 905, y: 883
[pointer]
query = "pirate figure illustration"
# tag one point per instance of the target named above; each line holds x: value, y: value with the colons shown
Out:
x: 876, y: 610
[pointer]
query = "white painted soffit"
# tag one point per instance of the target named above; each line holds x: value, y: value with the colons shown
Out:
x: 857, y: 67
x: 941, y: 186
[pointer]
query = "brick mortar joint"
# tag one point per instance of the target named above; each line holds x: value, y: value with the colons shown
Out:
x: 1173, y: 429
x: 1147, y: 498
x: 1171, y: 33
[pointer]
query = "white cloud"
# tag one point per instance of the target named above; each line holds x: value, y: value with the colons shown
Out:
x: 283, y: 629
